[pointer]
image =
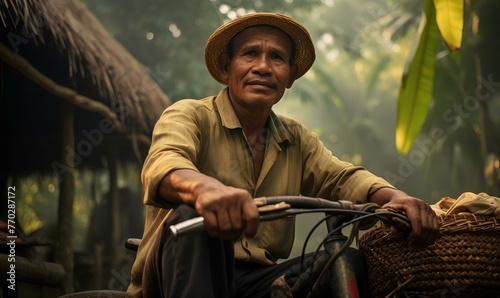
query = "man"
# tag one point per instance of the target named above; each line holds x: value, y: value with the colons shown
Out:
x: 211, y: 157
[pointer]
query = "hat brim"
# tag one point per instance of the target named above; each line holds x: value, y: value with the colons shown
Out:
x: 218, y: 42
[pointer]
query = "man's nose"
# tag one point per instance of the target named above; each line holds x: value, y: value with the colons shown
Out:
x: 262, y: 65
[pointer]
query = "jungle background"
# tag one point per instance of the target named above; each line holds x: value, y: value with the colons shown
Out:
x: 349, y: 97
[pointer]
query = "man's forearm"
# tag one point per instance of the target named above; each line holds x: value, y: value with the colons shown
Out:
x: 181, y: 186
x: 384, y: 195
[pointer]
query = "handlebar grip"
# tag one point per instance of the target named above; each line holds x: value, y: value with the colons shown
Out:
x: 188, y: 226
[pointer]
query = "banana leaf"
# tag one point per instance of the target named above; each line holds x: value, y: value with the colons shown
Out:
x: 417, y: 82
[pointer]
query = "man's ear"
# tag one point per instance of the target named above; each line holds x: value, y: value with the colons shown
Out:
x: 224, y: 61
x: 293, y: 75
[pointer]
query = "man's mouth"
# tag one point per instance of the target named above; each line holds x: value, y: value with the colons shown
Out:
x: 265, y: 83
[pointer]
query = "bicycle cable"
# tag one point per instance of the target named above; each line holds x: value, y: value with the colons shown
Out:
x: 355, y: 222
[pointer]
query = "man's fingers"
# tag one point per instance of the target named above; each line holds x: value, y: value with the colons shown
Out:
x: 229, y: 222
x: 426, y: 230
x: 211, y: 223
x: 251, y: 215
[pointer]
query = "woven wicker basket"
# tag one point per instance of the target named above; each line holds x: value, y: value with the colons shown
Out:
x: 464, y: 262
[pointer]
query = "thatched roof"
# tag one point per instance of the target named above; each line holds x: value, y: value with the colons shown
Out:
x: 55, y: 51
x: 71, y: 98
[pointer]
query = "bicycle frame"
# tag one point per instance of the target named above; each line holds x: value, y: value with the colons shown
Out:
x: 333, y: 262
x: 342, y: 276
x: 340, y: 273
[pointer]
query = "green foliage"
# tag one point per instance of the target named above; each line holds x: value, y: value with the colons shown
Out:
x: 38, y: 200
x: 38, y: 203
x: 416, y: 88
x: 348, y: 97
x: 460, y: 130
x: 169, y: 36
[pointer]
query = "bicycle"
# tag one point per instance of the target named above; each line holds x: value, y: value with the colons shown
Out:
x: 333, y: 263
x: 332, y: 266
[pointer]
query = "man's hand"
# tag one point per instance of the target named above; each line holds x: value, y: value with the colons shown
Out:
x: 424, y: 222
x: 227, y: 211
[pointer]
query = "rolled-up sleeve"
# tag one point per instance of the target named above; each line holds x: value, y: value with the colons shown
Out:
x: 175, y: 145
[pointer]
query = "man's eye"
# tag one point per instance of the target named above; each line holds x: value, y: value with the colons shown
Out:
x: 250, y: 53
x: 278, y: 57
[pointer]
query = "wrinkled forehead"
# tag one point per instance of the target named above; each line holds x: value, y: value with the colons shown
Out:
x: 261, y: 29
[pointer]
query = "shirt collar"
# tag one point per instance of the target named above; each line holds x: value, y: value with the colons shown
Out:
x: 229, y: 119
x: 226, y: 111
x: 280, y: 132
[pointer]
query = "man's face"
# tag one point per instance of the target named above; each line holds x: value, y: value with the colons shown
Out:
x: 259, y: 71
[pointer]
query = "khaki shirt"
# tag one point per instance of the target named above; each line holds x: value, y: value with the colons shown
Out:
x: 206, y: 136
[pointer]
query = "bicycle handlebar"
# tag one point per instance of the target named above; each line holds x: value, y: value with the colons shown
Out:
x: 280, y: 206
x: 306, y: 202
x: 334, y: 262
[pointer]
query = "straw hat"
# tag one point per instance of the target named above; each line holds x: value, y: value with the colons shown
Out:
x: 218, y: 42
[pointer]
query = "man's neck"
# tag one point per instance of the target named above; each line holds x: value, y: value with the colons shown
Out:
x: 252, y: 120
